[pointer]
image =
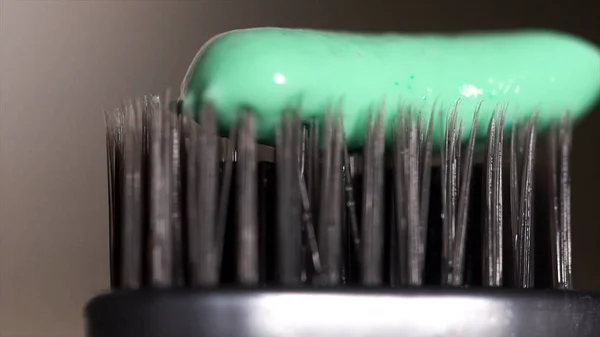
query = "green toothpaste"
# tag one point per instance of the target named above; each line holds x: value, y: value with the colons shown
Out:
x: 274, y: 70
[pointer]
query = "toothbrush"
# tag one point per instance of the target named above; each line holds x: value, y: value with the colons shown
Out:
x: 376, y: 215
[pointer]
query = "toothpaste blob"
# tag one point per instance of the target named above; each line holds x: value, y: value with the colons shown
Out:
x: 274, y: 70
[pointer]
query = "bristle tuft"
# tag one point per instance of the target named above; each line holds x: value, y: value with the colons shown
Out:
x: 189, y: 208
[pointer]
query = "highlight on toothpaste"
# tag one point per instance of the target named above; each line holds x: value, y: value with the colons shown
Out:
x: 273, y: 70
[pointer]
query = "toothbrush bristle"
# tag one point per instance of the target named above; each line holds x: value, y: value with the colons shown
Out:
x: 133, y: 188
x: 288, y: 207
x: 247, y: 222
x: 372, y: 230
x: 560, y: 150
x: 160, y: 194
x: 189, y: 208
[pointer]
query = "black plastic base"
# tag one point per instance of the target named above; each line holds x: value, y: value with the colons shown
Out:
x: 312, y: 313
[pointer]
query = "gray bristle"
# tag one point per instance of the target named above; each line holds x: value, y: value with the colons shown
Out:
x: 189, y: 208
x: 159, y: 172
x: 247, y: 222
x: 372, y: 240
x: 288, y: 208
x: 561, y: 221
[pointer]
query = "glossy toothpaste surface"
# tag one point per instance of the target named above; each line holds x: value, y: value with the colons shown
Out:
x: 274, y: 70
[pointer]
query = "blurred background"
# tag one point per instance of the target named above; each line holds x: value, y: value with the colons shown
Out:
x: 61, y: 62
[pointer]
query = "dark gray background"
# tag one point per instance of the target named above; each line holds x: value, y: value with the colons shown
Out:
x: 62, y: 61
